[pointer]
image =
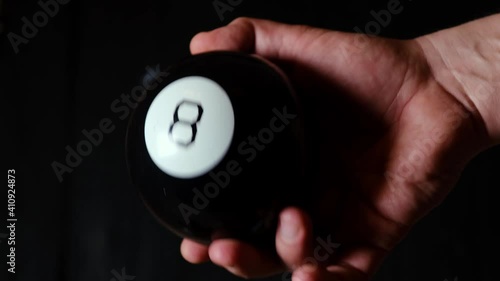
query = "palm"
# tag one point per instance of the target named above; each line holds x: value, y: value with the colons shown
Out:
x: 388, y: 145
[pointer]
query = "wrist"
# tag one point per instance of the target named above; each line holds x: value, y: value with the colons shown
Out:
x: 465, y: 61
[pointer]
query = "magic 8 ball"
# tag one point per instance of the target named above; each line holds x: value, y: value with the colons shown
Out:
x: 217, y: 149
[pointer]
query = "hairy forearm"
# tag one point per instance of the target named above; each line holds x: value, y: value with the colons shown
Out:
x: 465, y: 60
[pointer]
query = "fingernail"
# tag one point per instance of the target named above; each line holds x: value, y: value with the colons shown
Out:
x: 289, y: 229
x: 236, y: 271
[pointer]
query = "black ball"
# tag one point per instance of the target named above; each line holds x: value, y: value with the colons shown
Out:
x: 217, y: 148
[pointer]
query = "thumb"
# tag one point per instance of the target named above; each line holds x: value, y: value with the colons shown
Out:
x: 331, y: 58
x: 269, y: 39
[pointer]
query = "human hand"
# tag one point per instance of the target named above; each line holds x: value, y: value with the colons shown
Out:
x: 392, y: 130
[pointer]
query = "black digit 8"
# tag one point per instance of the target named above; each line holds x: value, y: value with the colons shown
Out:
x: 191, y: 122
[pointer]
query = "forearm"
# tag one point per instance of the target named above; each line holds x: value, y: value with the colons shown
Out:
x: 465, y: 60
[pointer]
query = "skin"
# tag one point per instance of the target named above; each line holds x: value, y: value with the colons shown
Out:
x: 403, y: 118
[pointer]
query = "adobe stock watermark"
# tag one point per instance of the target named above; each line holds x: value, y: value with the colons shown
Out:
x: 248, y: 149
x: 121, y: 276
x: 223, y: 6
x: 30, y: 28
x: 324, y: 249
x: 94, y: 137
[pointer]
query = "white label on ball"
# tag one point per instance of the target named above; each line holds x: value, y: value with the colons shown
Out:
x: 189, y: 127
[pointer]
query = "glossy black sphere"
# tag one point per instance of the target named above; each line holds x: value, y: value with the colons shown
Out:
x: 258, y: 172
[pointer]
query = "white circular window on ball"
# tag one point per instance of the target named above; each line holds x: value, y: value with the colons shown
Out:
x: 189, y: 127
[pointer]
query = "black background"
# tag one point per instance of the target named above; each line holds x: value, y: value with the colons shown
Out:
x: 65, y: 79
